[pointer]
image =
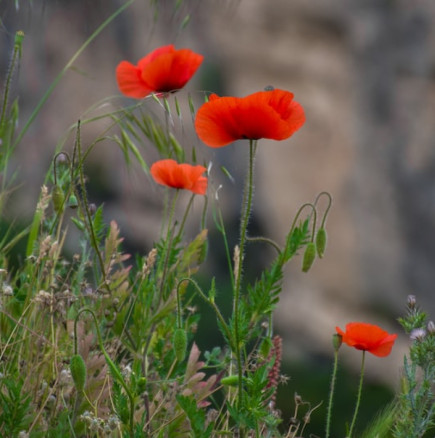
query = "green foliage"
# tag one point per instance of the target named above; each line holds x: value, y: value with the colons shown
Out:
x: 15, y: 406
x: 196, y: 416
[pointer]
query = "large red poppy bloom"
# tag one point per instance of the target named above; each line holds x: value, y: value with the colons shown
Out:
x: 265, y: 114
x: 161, y: 71
x: 180, y: 176
x: 367, y: 337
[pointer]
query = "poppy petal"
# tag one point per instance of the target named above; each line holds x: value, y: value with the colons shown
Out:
x: 142, y: 63
x: 171, y: 71
x: 215, y: 123
x: 385, y: 347
x: 129, y: 80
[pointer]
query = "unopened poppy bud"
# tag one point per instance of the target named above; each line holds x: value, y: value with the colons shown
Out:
x: 141, y: 385
x: 309, y: 257
x: 411, y: 301
x: 269, y: 88
x: 431, y: 327
x: 337, y: 340
x: 78, y: 372
x: 179, y: 341
x: 72, y: 202
x: 321, y: 239
x: 58, y: 198
x: 230, y: 380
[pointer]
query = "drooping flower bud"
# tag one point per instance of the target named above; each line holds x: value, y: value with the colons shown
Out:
x: 309, y: 257
x: 72, y: 202
x: 321, y: 239
x: 58, y: 198
x: 78, y: 372
x: 179, y: 341
x: 141, y: 385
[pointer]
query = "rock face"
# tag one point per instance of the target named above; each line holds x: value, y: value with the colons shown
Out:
x: 364, y: 72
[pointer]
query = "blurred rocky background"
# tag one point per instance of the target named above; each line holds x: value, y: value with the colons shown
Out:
x: 364, y: 70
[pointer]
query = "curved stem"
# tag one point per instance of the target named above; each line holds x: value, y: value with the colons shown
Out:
x: 308, y: 204
x: 265, y: 240
x: 247, y: 206
x: 328, y: 195
x: 358, y: 399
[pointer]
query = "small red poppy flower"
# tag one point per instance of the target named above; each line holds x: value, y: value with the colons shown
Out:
x: 180, y: 176
x: 161, y: 71
x: 266, y: 114
x: 367, y: 337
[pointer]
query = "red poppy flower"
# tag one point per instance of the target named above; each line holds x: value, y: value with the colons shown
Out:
x: 180, y: 176
x: 367, y: 337
x: 265, y: 114
x: 161, y: 71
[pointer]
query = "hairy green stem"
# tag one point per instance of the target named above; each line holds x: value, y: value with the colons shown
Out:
x: 168, y: 244
x: 179, y: 319
x: 358, y: 399
x: 261, y: 239
x: 331, y: 394
x: 246, y: 212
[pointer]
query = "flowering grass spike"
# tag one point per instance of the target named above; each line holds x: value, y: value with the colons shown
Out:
x: 161, y: 71
x: 180, y: 176
x: 265, y: 114
x: 368, y: 337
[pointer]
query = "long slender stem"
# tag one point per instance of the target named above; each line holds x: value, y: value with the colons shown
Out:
x: 331, y: 394
x: 86, y: 212
x: 246, y: 211
x: 168, y: 244
x: 358, y: 400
